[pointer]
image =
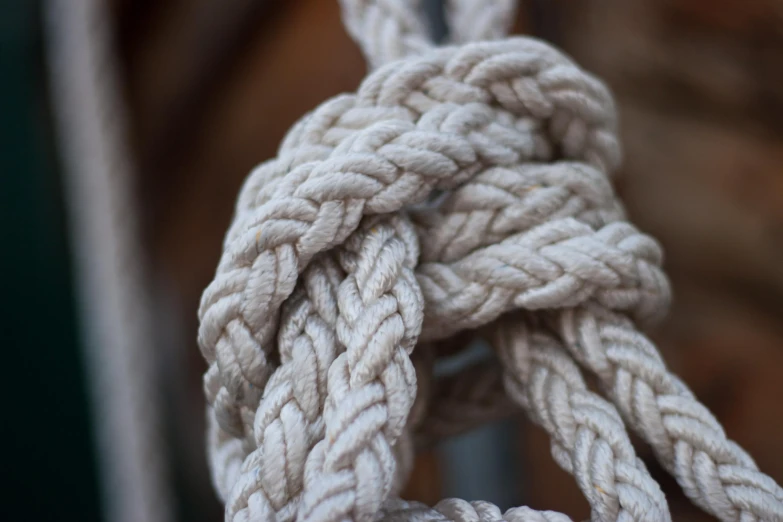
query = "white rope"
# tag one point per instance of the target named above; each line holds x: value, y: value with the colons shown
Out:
x: 688, y: 441
x: 114, y: 306
x: 473, y: 21
x: 588, y: 437
x: 386, y: 30
x: 337, y: 262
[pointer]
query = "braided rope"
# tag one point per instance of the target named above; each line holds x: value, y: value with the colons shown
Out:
x: 372, y: 385
x: 688, y: 441
x: 322, y: 268
x: 614, y: 481
x: 375, y: 169
x: 588, y: 436
x: 456, y: 510
x: 296, y: 393
x: 759, y: 496
x: 559, y: 264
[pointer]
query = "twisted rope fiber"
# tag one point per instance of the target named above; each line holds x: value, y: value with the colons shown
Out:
x: 453, y: 509
x: 372, y: 384
x: 689, y: 442
x: 376, y: 169
x: 511, y: 234
x: 290, y: 409
x: 438, y: 113
x: 713, y: 471
x: 582, y: 425
x: 588, y: 436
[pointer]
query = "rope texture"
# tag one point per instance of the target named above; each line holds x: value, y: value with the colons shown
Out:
x: 588, y: 436
x: 456, y: 185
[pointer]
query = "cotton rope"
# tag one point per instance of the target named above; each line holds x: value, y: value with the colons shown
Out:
x: 112, y: 289
x: 460, y: 188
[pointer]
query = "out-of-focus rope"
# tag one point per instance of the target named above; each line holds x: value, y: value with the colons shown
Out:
x: 109, y: 264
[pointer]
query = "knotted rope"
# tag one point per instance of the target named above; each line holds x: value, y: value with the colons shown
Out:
x: 458, y: 184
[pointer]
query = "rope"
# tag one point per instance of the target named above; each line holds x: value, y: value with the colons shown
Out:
x: 689, y: 442
x: 386, y: 30
x: 115, y: 307
x: 588, y: 437
x: 472, y: 21
x: 458, y: 184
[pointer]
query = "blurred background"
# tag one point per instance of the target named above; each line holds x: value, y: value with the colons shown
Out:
x: 209, y: 88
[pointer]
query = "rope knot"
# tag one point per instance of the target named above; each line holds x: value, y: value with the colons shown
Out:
x: 340, y: 260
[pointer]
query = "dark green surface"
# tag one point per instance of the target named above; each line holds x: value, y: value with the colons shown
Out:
x: 50, y: 466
